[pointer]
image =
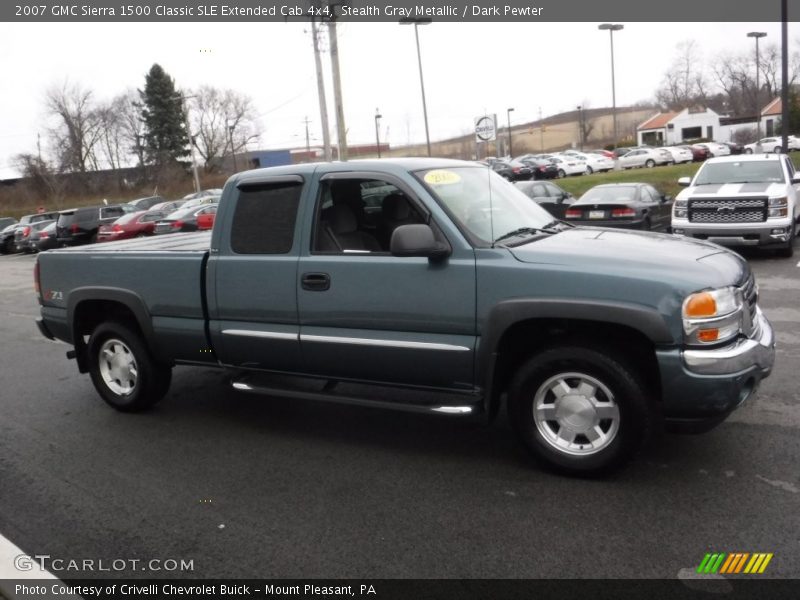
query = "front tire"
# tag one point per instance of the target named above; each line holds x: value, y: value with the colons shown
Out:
x: 650, y: 163
x: 579, y: 410
x: 122, y: 369
x: 562, y: 173
x: 589, y: 170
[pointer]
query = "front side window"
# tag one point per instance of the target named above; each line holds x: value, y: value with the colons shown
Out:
x: 483, y: 203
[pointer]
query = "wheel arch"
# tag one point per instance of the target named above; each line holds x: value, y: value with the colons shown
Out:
x: 515, y: 329
x: 89, y: 307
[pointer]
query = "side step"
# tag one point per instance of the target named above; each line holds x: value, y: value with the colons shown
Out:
x: 455, y: 404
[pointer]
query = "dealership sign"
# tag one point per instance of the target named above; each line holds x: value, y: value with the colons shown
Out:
x: 486, y: 128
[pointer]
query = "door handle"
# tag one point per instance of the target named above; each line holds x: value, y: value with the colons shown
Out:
x: 316, y: 282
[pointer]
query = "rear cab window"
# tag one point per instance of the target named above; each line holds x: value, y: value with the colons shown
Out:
x: 265, y: 217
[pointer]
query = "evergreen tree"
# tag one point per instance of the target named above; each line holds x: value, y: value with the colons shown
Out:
x: 164, y: 118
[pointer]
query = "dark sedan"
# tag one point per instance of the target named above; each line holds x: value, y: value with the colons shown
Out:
x: 23, y: 236
x: 542, y: 169
x: 183, y: 219
x: 627, y: 205
x: 45, y: 239
x: 547, y: 195
x: 513, y: 170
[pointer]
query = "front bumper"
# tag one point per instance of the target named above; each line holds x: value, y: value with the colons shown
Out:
x: 736, y: 235
x: 700, y: 388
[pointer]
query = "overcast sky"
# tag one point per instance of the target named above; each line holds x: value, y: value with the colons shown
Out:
x: 468, y: 68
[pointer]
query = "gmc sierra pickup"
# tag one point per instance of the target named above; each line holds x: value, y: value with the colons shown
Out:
x: 435, y: 276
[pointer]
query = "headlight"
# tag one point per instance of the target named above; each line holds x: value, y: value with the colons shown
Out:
x: 712, y: 316
x: 778, y: 208
x: 681, y: 204
x: 681, y: 213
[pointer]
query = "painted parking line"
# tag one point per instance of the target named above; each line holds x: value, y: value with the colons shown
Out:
x: 11, y: 556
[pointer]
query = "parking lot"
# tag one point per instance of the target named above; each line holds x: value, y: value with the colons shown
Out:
x: 249, y: 486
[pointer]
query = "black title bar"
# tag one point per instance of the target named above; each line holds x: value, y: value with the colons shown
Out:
x: 364, y: 11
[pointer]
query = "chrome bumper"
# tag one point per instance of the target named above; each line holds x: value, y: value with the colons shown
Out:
x: 758, y: 351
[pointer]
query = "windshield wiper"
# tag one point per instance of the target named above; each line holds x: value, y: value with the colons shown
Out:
x: 523, y: 231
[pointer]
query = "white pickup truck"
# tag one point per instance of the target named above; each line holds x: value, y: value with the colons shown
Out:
x: 741, y: 200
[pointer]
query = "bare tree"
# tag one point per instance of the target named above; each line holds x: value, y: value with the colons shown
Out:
x: 129, y: 111
x: 44, y: 180
x: 685, y: 83
x: 223, y: 122
x: 78, y: 129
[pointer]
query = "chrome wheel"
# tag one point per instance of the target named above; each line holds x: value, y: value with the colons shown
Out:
x: 576, y: 414
x: 117, y: 367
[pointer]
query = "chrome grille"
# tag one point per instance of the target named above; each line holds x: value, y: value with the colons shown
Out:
x: 727, y: 210
x: 750, y: 297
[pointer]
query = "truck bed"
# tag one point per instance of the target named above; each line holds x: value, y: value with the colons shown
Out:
x: 166, y: 274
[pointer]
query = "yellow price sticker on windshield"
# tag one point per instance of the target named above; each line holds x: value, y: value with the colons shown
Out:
x: 440, y: 177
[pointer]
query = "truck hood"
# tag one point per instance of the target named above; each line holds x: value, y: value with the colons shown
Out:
x: 733, y: 190
x: 638, y: 254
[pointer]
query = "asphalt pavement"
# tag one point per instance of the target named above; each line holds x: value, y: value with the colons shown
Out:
x: 247, y: 486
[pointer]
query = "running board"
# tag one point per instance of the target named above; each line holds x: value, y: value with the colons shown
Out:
x: 327, y: 394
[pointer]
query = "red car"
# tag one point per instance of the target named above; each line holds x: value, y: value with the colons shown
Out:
x: 137, y: 224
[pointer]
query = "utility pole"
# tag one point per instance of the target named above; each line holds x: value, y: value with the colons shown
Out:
x: 323, y: 102
x: 784, y: 77
x: 308, y: 142
x: 541, y: 130
x: 233, y: 150
x: 341, y: 131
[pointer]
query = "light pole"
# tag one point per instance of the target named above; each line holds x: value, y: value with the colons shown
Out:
x: 580, y: 128
x: 378, y: 117
x: 612, y: 27
x: 417, y: 22
x: 183, y: 99
x: 757, y: 35
x: 508, y: 115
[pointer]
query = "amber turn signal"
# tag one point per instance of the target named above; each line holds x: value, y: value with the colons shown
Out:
x: 700, y: 305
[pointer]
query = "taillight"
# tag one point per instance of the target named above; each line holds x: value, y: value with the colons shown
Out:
x: 177, y: 224
x: 26, y: 231
x: 573, y: 213
x: 623, y: 212
x: 36, y: 285
x: 543, y: 169
x: 74, y: 228
x: 515, y: 169
x: 43, y: 234
x: 116, y: 227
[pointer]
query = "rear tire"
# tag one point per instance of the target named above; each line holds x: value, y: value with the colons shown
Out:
x: 777, y: 150
x: 589, y: 170
x: 579, y: 410
x: 562, y: 173
x: 650, y: 163
x: 122, y: 369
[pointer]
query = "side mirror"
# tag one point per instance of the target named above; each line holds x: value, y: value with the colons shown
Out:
x: 796, y: 177
x: 685, y: 181
x: 417, y: 240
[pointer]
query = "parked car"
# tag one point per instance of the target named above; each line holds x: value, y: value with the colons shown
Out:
x: 595, y: 163
x: 7, y: 236
x: 146, y: 203
x: 568, y: 165
x: 183, y: 219
x: 6, y: 221
x: 511, y: 170
x: 621, y: 151
x: 767, y: 144
x: 541, y: 168
x: 627, y: 205
x: 644, y: 157
x: 202, y: 193
x: 549, y: 196
x: 680, y: 154
x: 168, y: 206
x: 734, y: 147
x: 138, y: 224
x: 715, y: 149
x: 22, y: 236
x: 45, y: 239
x: 741, y: 201
x: 200, y: 201
x: 80, y: 225
x: 699, y: 153
x: 603, y: 152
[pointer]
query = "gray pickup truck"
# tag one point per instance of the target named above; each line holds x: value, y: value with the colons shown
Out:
x: 434, y: 276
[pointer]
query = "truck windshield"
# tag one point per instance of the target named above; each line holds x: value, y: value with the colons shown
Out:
x: 746, y: 171
x: 485, y: 204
